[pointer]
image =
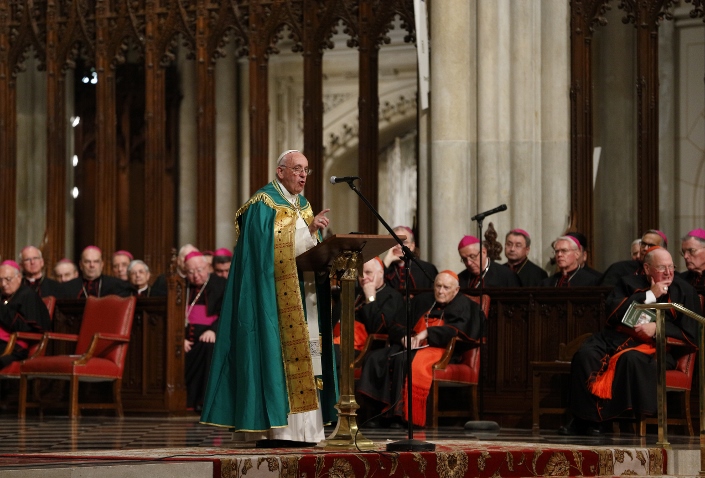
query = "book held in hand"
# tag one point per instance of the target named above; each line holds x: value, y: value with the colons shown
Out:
x: 635, y: 316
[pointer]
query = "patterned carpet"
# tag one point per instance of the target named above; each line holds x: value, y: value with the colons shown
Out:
x: 458, y: 454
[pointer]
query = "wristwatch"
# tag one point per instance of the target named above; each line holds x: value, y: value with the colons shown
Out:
x: 370, y: 299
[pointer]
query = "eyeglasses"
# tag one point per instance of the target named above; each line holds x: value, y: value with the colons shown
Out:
x: 192, y: 272
x: 663, y: 269
x: 646, y: 245
x: 561, y: 251
x: 299, y: 169
x: 470, y: 257
x: 692, y: 251
x: 8, y: 279
x: 31, y: 259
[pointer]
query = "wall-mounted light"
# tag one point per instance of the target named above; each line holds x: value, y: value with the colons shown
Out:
x: 75, y: 160
x: 75, y: 120
x: 74, y: 192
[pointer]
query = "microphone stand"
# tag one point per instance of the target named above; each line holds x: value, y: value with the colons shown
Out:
x: 472, y: 424
x: 409, y: 444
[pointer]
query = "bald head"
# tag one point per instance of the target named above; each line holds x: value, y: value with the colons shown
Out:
x: 658, y: 265
x: 445, y: 287
x: 32, y: 262
x: 372, y: 271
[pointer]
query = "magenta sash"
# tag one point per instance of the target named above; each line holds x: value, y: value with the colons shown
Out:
x: 198, y: 316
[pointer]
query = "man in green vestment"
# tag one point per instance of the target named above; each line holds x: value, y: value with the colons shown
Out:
x: 266, y: 371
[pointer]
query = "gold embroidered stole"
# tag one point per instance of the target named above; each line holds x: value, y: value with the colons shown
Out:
x: 293, y: 330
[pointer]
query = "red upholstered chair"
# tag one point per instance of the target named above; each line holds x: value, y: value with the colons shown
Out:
x: 679, y: 380
x: 12, y: 371
x: 101, y: 350
x: 463, y: 374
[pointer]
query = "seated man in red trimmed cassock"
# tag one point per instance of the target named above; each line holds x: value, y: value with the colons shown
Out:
x: 442, y: 315
x: 614, y: 371
x: 568, y: 252
x: 493, y: 274
x: 204, y: 298
x: 651, y: 238
x: 92, y: 282
x: 517, y: 244
x: 120, y: 262
x: 21, y: 310
x: 378, y: 307
x: 692, y: 250
x: 33, y: 270
x: 421, y: 273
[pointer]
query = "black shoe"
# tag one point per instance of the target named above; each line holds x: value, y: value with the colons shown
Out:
x: 593, y: 431
x: 575, y: 427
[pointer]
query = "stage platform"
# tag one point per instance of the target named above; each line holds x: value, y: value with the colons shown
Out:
x: 155, y: 448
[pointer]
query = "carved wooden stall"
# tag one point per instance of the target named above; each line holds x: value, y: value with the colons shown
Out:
x: 129, y: 145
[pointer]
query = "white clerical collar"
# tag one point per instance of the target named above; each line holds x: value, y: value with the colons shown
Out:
x: 287, y: 195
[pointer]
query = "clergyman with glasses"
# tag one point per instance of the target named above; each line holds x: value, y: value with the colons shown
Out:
x: 614, y: 371
x: 651, y: 238
x: 491, y: 274
x: 693, y: 251
x: 269, y: 363
x: 567, y: 251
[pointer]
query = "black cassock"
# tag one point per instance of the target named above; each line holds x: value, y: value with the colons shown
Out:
x: 530, y: 275
x: 386, y: 312
x: 24, y: 312
x: 44, y: 286
x: 197, y: 362
x: 80, y: 288
x: 634, y: 384
x: 620, y: 269
x: 496, y: 276
x: 395, y: 275
x: 580, y: 278
x: 384, y: 370
x: 693, y: 278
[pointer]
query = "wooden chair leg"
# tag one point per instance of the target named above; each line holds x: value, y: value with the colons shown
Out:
x: 73, y: 397
x: 22, y: 409
x: 535, y: 402
x: 686, y: 410
x: 642, y: 426
x: 475, y: 412
x: 434, y: 412
x: 117, y: 396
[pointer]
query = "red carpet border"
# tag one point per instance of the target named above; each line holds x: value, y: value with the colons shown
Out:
x: 452, y: 459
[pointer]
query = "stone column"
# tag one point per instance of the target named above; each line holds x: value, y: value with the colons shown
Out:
x: 187, y: 153
x: 552, y: 171
x: 614, y: 113
x: 453, y: 141
x: 226, y: 146
x: 31, y: 156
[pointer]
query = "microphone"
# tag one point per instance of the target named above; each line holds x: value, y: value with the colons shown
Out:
x: 482, y: 215
x: 344, y: 179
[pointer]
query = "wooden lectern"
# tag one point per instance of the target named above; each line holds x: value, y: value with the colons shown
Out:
x: 344, y: 255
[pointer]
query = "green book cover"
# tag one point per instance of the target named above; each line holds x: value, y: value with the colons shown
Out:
x: 635, y: 316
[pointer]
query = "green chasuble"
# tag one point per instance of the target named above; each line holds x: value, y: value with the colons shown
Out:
x: 261, y: 370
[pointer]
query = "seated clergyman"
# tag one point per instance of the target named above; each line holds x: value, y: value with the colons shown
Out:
x: 440, y: 316
x: 615, y: 370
